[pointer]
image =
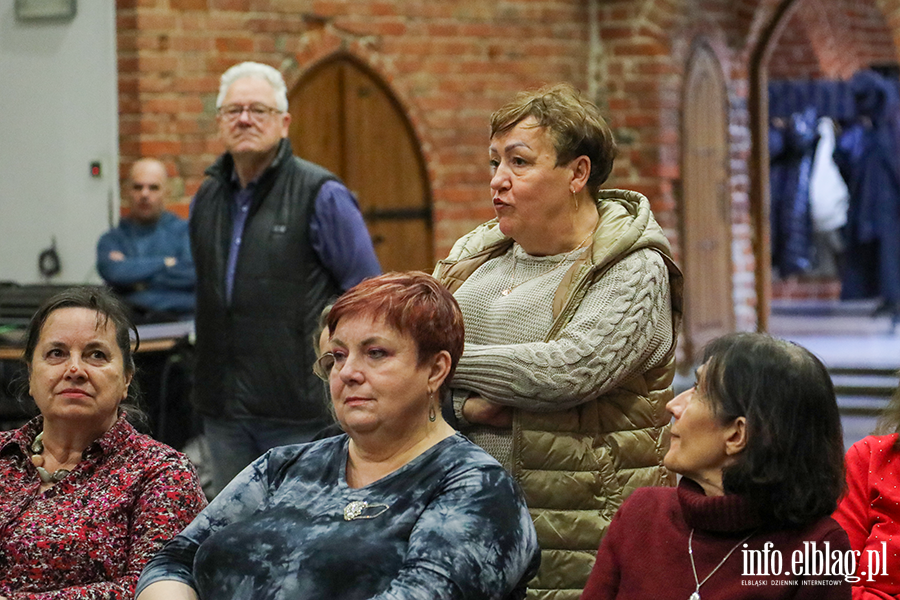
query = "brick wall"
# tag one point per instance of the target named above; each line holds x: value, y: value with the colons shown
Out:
x: 449, y: 63
x: 831, y: 39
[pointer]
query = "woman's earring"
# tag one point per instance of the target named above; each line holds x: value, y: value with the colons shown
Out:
x: 432, y: 415
x: 575, y: 198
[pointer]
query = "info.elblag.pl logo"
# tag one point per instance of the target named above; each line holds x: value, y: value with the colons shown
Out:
x: 813, y: 561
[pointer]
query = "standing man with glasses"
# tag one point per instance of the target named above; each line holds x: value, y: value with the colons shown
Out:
x: 274, y: 239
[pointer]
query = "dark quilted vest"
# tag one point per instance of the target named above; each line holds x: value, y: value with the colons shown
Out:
x: 254, y: 357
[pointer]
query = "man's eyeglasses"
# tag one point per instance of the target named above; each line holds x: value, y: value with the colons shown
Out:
x: 256, y: 111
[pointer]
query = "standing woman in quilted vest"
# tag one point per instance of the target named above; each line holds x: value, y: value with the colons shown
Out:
x: 758, y: 444
x: 571, y: 303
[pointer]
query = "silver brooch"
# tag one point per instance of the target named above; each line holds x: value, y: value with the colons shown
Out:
x: 360, y: 509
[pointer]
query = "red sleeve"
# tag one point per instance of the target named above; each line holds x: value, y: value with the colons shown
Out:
x: 853, y: 511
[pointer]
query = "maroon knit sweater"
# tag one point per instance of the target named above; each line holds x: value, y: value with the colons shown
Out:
x: 644, y: 555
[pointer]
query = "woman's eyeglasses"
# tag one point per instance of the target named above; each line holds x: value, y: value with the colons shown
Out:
x: 256, y: 111
x: 372, y: 357
x: 323, y: 365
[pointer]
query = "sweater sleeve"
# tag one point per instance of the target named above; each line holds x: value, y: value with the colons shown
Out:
x: 622, y: 327
x: 853, y: 511
x: 603, y: 583
x: 133, y: 269
x: 181, y: 276
x: 837, y: 541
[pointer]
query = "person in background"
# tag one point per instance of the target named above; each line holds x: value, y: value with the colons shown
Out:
x: 146, y: 259
x: 275, y: 238
x: 401, y: 506
x: 870, y: 510
x: 572, y: 303
x: 85, y: 500
x: 758, y: 444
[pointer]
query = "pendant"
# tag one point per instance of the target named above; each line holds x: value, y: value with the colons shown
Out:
x: 695, y: 596
x: 354, y: 510
x: 505, y: 292
x: 361, y: 509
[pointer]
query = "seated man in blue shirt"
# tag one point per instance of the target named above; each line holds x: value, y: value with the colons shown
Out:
x: 147, y: 258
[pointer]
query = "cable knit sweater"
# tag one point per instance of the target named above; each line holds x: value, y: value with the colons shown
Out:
x: 644, y: 556
x: 870, y: 513
x: 623, y: 326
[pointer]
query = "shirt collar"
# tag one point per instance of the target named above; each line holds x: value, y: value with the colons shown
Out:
x: 109, y: 442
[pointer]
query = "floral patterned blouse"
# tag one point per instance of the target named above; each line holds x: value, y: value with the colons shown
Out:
x: 89, y: 536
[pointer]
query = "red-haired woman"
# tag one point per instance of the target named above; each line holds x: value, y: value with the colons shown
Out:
x: 401, y: 506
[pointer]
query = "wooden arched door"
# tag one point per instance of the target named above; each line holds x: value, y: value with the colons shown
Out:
x: 347, y: 120
x: 706, y: 206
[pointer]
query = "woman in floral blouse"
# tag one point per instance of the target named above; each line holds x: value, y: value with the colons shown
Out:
x: 85, y: 500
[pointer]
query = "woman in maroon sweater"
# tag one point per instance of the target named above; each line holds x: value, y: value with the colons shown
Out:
x: 758, y: 444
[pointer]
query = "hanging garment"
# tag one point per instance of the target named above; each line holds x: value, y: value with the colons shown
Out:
x: 791, y: 223
x: 828, y: 195
x: 867, y: 156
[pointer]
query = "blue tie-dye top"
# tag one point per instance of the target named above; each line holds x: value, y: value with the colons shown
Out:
x: 455, y: 526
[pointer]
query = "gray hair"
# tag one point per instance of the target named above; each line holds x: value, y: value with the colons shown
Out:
x: 258, y: 71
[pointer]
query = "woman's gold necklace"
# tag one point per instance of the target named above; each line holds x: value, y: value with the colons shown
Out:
x: 562, y: 261
x: 37, y: 447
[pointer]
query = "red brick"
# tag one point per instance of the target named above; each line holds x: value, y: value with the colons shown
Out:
x: 189, y: 4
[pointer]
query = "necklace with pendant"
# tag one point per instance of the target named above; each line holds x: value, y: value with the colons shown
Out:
x: 37, y: 447
x: 696, y: 594
x: 562, y: 261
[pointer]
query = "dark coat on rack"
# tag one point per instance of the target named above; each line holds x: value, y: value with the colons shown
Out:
x: 867, y: 154
x: 791, y: 151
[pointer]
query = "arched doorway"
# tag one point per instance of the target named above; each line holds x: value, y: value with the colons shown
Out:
x: 347, y: 120
x: 813, y: 39
x: 706, y: 209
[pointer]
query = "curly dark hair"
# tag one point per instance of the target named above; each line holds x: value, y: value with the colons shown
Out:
x: 793, y: 463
